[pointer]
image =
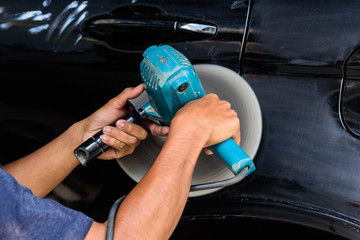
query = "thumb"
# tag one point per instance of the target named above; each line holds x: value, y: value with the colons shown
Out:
x: 132, y: 93
x: 119, y: 101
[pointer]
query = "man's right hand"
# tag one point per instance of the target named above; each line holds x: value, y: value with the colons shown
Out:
x: 212, y: 119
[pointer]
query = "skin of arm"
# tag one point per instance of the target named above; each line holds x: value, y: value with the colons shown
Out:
x: 154, y: 207
x: 156, y: 204
x: 44, y: 169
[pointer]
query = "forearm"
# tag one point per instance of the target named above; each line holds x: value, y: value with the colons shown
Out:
x: 154, y: 206
x: 45, y: 168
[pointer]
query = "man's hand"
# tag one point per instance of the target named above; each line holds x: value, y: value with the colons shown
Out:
x: 153, y: 208
x: 212, y: 118
x: 125, y: 136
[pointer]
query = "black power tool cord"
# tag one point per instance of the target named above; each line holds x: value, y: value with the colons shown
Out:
x: 111, y: 219
x: 218, y: 184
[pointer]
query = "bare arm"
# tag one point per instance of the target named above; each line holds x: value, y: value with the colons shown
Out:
x: 44, y: 169
x: 157, y: 202
x: 154, y: 206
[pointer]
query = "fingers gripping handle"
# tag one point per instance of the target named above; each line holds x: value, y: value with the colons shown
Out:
x: 94, y: 147
x: 233, y: 156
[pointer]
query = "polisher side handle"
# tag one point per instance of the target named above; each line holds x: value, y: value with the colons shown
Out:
x: 233, y: 156
x: 94, y: 147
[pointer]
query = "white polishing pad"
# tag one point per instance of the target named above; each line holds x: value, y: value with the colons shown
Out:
x: 229, y: 86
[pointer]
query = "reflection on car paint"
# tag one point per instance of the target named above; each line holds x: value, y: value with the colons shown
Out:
x: 66, y: 22
x: 38, y: 29
x: 67, y: 17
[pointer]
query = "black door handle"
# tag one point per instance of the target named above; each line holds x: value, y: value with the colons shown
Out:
x: 135, y: 27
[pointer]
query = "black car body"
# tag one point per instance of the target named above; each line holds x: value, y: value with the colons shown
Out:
x: 300, y: 57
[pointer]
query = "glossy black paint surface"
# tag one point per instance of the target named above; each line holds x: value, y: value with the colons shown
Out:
x: 297, y: 56
x: 134, y: 28
x: 349, y: 99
